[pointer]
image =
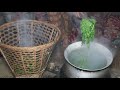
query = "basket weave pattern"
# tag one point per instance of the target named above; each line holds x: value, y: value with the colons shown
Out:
x: 25, y: 60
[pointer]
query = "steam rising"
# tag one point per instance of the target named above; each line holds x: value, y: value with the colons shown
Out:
x: 25, y: 35
x: 107, y: 43
x: 94, y: 58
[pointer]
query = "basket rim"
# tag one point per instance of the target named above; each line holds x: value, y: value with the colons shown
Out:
x: 31, y: 47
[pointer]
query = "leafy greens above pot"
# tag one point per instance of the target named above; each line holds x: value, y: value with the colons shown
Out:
x: 88, y: 30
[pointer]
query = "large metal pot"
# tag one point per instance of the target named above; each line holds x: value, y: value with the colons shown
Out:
x: 69, y: 70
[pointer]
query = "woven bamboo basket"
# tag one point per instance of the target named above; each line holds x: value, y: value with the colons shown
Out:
x: 27, y: 45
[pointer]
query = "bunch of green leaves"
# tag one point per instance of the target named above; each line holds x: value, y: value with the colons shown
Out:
x: 88, y: 30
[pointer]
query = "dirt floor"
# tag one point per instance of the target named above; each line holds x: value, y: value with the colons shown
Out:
x: 5, y: 72
x: 115, y: 67
x: 52, y: 71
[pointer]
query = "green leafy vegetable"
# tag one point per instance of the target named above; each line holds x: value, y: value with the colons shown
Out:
x: 87, y: 30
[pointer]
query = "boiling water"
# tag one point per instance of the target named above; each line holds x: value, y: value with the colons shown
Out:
x: 87, y: 58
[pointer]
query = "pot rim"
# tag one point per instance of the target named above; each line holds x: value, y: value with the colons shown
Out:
x: 87, y: 70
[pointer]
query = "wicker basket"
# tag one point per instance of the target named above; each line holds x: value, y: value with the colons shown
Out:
x: 28, y: 60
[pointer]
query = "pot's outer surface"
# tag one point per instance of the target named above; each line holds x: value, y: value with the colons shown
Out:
x: 71, y: 71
